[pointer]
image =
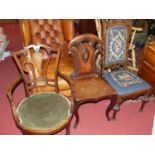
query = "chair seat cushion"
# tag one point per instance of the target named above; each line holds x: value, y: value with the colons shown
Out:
x: 44, y: 111
x: 125, y: 82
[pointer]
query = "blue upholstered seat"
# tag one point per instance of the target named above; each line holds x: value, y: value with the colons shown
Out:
x: 125, y: 82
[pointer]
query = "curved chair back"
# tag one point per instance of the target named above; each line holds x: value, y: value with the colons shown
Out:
x: 84, y: 49
x: 33, y: 62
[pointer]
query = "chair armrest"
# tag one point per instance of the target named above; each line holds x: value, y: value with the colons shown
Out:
x: 10, y: 90
x: 65, y: 49
x: 69, y: 81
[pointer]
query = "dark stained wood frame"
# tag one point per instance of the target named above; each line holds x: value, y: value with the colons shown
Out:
x: 32, y: 84
x: 87, y: 40
x: 106, y: 24
x: 76, y: 43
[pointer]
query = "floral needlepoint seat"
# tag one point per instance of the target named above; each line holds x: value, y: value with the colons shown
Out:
x: 125, y: 82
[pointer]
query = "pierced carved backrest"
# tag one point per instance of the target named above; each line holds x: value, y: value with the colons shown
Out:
x: 85, y: 49
x: 116, y: 35
x: 33, y: 63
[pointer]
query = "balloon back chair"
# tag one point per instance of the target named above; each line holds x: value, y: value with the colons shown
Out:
x: 87, y: 85
x: 116, y: 37
x: 45, y: 112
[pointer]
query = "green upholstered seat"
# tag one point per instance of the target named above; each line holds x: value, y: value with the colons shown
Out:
x: 44, y: 111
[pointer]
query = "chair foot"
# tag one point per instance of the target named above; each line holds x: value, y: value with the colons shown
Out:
x: 76, y: 116
x: 114, y: 115
x: 140, y: 110
x: 68, y: 129
x: 76, y: 122
x: 108, y: 119
x: 113, y: 119
x: 116, y: 108
x: 67, y: 132
x: 111, y: 106
x: 75, y: 125
x: 144, y: 99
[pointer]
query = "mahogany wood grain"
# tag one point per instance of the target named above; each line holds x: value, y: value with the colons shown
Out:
x: 87, y: 85
x: 147, y: 65
x: 34, y: 68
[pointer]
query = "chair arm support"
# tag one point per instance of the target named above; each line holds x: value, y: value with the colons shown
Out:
x: 10, y: 90
x: 69, y: 81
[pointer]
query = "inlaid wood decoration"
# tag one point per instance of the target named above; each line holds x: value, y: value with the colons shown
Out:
x: 85, y: 55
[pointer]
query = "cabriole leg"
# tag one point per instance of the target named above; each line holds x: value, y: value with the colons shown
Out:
x: 76, y: 115
x: 110, y: 107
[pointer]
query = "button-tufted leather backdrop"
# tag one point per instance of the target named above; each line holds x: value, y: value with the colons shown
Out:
x: 47, y: 32
x: 55, y: 33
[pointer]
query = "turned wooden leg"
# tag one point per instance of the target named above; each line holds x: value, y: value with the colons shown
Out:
x: 142, y: 106
x: 68, y: 128
x: 113, y: 101
x: 76, y: 115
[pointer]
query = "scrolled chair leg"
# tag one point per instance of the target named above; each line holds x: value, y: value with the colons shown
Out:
x: 76, y: 114
x: 116, y: 108
x: 144, y: 100
x: 142, y: 106
x: 111, y: 106
x: 68, y: 129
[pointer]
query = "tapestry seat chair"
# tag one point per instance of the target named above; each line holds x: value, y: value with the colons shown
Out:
x: 44, y: 112
x: 116, y: 38
x: 87, y: 85
x: 56, y: 34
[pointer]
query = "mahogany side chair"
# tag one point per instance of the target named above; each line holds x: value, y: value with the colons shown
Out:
x: 87, y: 85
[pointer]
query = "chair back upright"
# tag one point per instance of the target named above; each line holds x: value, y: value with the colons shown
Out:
x: 85, y: 49
x: 116, y: 37
x: 33, y: 63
